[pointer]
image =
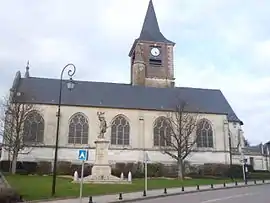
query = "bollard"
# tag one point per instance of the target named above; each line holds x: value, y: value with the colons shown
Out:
x: 165, y: 190
x: 183, y: 189
x: 245, y: 182
x: 262, y: 181
x: 120, y: 196
x: 144, y: 193
x: 236, y: 183
x: 212, y: 186
x: 90, y: 199
x: 198, y: 187
x: 224, y: 184
x: 255, y: 182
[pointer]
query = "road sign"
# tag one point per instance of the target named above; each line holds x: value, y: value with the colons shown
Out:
x: 83, y: 155
x: 146, y: 157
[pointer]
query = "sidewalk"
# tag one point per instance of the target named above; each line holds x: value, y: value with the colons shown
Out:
x: 154, y: 193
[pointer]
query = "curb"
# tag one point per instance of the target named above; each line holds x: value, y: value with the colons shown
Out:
x: 52, y: 199
x: 187, y: 192
x: 148, y: 197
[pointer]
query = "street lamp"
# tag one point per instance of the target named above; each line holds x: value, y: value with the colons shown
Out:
x: 145, y: 155
x: 70, y: 86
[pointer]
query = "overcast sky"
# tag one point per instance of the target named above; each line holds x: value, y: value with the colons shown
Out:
x: 220, y: 44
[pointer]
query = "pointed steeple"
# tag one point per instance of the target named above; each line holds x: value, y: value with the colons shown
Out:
x: 27, y: 74
x: 150, y: 30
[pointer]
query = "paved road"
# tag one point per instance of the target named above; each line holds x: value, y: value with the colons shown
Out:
x: 258, y: 194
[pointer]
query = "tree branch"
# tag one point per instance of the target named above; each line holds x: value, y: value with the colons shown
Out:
x: 181, y: 126
x: 13, y: 117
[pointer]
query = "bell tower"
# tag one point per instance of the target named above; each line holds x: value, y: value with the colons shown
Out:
x: 153, y: 53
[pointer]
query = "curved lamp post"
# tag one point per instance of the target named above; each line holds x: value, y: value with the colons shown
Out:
x: 70, y: 86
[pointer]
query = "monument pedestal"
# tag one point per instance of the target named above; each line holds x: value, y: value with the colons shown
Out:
x: 101, y: 171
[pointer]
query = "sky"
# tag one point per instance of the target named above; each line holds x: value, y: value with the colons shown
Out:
x: 220, y: 44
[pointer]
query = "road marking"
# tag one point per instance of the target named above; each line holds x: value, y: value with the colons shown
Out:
x: 230, y: 197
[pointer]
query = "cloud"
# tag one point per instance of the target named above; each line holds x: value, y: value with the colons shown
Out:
x: 219, y: 44
x: 262, y: 53
x: 248, y: 95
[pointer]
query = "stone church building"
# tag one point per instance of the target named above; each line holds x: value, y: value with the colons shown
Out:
x: 134, y: 112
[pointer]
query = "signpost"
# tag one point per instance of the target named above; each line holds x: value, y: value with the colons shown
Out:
x: 82, y: 156
x: 243, y: 162
x: 146, y: 159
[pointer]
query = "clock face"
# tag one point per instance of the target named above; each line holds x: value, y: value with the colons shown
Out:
x: 155, y: 51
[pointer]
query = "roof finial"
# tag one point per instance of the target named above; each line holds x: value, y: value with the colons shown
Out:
x: 27, y: 75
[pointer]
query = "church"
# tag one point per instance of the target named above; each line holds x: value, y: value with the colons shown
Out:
x: 134, y: 112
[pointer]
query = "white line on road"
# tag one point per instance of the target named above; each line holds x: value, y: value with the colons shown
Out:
x: 230, y: 197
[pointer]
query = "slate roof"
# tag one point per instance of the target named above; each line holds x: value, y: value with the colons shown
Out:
x: 150, y: 30
x: 115, y: 95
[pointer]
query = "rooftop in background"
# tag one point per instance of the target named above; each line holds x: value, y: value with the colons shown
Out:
x: 125, y: 96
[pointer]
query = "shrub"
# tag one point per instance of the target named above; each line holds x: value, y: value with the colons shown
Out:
x: 235, y: 171
x: 218, y: 171
x: 119, y: 168
x: 5, y: 165
x: 170, y: 171
x: 251, y: 169
x: 63, y: 168
x: 87, y: 170
x: 130, y: 167
x: 9, y: 195
x: 259, y: 176
x: 44, y: 167
x: 138, y: 170
x: 211, y: 169
x: 73, y: 168
x: 30, y: 167
x: 154, y: 170
x: 25, y: 167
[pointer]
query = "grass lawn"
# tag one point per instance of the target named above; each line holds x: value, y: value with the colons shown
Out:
x: 39, y: 187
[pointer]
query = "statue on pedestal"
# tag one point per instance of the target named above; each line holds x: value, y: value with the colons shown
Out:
x: 101, y: 172
x: 102, y: 124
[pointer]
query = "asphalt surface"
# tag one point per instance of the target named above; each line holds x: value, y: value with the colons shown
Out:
x: 257, y: 194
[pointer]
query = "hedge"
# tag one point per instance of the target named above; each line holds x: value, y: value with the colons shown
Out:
x: 259, y: 176
x: 220, y: 171
x: 207, y: 170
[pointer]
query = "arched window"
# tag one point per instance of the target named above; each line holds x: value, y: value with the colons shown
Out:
x: 78, y: 129
x: 120, y: 131
x: 161, y: 132
x: 33, y: 128
x: 204, y: 134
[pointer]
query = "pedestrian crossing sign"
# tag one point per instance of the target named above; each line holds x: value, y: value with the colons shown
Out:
x: 83, y: 155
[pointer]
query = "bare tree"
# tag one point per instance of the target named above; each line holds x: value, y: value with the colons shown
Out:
x: 16, y: 129
x: 180, y: 137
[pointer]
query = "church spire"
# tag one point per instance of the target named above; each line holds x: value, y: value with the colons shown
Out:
x: 150, y: 30
x: 27, y: 75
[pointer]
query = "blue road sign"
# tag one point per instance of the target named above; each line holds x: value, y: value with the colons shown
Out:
x: 83, y: 155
